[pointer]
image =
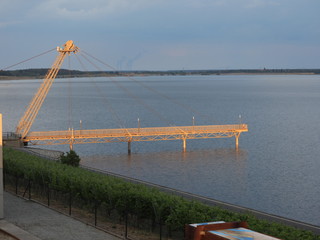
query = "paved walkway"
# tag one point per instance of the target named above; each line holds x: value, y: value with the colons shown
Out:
x: 28, y: 220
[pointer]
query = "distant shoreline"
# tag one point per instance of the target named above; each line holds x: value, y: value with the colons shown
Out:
x: 25, y: 74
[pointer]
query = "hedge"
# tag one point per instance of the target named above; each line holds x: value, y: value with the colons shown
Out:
x: 136, y: 199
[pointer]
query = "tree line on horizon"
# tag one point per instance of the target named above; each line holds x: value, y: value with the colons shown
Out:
x: 63, y: 73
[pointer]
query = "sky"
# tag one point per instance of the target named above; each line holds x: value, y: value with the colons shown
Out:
x: 165, y: 34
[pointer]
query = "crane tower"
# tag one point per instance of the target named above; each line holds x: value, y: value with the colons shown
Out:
x: 32, y: 110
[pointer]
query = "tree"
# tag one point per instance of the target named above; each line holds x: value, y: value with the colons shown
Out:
x: 71, y: 158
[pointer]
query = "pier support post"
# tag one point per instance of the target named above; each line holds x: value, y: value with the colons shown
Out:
x: 184, y: 144
x: 237, y: 136
x: 71, y: 140
x: 129, y: 147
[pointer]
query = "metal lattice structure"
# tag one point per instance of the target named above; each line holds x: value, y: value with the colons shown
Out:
x: 136, y: 134
x: 30, y: 114
x: 110, y: 135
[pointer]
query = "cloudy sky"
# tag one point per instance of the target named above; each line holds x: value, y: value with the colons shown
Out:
x: 166, y: 34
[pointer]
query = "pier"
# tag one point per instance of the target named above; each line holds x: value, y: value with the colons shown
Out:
x: 130, y: 135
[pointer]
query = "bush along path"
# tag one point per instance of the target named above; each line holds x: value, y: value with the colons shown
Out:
x: 70, y: 158
x: 140, y: 201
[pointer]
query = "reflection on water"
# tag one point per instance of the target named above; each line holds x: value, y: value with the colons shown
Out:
x: 219, y: 173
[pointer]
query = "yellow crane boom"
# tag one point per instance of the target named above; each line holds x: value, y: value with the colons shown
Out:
x: 31, y: 112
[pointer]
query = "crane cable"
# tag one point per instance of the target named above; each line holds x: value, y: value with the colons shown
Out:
x: 26, y: 60
x: 134, y: 97
x: 114, y: 114
x: 170, y: 99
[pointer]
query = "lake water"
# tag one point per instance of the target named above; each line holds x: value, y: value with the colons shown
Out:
x: 276, y: 169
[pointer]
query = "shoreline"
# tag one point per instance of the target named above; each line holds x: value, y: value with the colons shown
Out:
x: 40, y: 73
x: 187, y: 195
x: 9, y: 78
x: 213, y: 202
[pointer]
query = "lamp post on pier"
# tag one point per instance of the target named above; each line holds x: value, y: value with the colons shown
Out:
x: 193, y: 122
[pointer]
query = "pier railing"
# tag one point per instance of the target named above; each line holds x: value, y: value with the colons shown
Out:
x: 136, y: 134
x: 10, y: 136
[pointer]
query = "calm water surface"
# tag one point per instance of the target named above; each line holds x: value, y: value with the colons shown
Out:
x: 275, y: 171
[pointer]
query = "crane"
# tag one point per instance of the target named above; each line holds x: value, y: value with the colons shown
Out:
x: 108, y: 135
x: 32, y: 110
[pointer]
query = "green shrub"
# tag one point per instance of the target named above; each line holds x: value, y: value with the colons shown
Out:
x: 135, y: 199
x: 71, y: 158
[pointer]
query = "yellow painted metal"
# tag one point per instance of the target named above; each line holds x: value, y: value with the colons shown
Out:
x: 184, y: 144
x: 136, y: 134
x: 30, y: 114
x: 110, y: 135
